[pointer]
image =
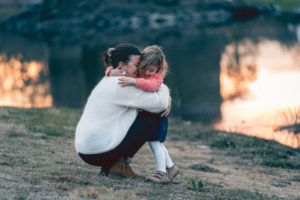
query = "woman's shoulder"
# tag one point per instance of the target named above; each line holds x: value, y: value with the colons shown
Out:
x: 106, y: 83
x: 108, y: 80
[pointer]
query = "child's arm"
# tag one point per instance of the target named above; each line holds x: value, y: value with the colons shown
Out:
x: 151, y: 84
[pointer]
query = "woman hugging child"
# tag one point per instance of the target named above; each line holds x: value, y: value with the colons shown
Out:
x: 151, y: 71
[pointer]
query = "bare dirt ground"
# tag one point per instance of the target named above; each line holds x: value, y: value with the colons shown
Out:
x: 34, y: 165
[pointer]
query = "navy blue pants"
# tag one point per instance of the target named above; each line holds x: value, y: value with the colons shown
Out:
x: 145, y: 127
x: 161, y: 134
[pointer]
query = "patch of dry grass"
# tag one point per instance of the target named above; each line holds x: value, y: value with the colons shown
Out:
x: 37, y: 164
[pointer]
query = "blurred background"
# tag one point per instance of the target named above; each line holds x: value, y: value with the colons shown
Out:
x: 234, y: 64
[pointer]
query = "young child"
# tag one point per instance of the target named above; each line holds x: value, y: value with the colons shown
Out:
x: 151, y: 71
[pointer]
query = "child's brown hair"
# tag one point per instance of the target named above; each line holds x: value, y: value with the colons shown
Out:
x: 153, y: 55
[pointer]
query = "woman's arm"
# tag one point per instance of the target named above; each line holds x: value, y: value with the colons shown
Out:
x: 167, y: 111
x: 110, y: 71
x: 133, y: 97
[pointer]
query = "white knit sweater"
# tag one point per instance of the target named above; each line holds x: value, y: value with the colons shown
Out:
x: 110, y: 111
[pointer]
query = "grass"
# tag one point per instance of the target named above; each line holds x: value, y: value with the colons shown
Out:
x: 61, y: 123
x: 246, y: 149
x: 50, y: 122
x: 38, y: 160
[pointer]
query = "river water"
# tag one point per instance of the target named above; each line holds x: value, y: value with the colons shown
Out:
x: 242, y: 77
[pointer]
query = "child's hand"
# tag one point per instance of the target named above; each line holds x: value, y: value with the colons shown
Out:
x: 167, y: 111
x: 115, y: 72
x: 123, y: 81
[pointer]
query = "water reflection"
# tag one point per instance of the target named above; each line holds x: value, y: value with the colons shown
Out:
x: 23, y: 83
x: 194, y: 75
x: 67, y: 76
x: 251, y: 104
x: 238, y: 69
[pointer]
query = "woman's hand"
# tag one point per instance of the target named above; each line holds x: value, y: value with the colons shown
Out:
x: 167, y: 111
x: 124, y: 81
x: 115, y: 72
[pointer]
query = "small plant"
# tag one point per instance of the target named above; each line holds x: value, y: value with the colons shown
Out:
x: 21, y: 195
x: 35, y: 181
x: 55, y: 173
x: 195, y: 185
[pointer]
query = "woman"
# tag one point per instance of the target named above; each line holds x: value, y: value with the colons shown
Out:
x: 111, y: 129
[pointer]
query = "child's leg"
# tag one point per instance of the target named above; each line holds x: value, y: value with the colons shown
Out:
x: 168, y: 160
x: 159, y: 155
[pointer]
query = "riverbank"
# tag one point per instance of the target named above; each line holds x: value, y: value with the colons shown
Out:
x: 38, y: 161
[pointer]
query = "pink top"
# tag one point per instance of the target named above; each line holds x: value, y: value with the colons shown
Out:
x: 151, y: 84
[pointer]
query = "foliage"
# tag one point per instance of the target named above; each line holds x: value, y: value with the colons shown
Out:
x: 286, y: 5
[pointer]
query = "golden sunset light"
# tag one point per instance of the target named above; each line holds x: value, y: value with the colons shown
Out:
x: 21, y: 84
x: 255, y: 103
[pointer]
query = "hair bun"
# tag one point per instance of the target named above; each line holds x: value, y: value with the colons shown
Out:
x: 120, y: 53
x: 109, y: 51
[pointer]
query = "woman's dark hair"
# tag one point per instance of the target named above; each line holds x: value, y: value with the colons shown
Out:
x: 120, y: 53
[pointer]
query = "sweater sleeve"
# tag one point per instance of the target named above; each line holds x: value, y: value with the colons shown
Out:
x: 151, y: 84
x: 134, y: 97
